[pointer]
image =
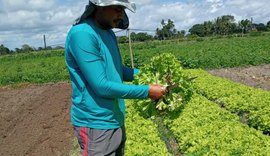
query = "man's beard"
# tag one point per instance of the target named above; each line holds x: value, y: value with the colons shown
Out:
x: 108, y: 25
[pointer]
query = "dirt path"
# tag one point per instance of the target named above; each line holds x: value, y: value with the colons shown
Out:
x: 255, y: 76
x: 35, y: 120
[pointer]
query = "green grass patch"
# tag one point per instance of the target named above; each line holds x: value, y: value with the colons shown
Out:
x: 41, y: 67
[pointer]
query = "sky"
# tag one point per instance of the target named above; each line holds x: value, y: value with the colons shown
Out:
x: 26, y: 21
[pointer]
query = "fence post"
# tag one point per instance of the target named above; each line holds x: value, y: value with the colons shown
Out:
x: 130, y: 49
x: 44, y: 38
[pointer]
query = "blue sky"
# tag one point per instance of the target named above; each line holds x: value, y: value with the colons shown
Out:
x: 26, y: 21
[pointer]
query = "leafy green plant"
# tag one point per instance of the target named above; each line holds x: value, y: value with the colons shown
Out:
x: 127, y: 61
x: 252, y: 105
x: 189, y: 63
x: 165, y: 70
x: 142, y: 134
x: 203, y: 128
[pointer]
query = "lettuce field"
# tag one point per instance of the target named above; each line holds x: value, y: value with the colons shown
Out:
x: 221, y: 117
x: 202, y: 115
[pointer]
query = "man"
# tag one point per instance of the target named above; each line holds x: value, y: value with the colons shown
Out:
x: 97, y: 74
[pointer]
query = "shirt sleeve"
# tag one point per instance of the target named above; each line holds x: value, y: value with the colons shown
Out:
x: 128, y: 73
x: 85, y: 50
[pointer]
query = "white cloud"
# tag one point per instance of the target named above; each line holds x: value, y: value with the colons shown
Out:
x: 25, y: 21
x: 143, y: 2
x: 28, y: 4
x: 215, y: 5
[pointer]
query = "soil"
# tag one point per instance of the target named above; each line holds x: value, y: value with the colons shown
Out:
x: 35, y: 119
x: 255, y: 76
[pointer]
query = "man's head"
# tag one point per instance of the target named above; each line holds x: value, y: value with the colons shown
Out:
x: 108, y: 17
x: 108, y: 13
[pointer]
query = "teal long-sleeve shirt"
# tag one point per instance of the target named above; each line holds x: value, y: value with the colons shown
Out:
x: 97, y: 74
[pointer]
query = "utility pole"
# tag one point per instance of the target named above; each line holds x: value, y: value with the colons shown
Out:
x: 44, y: 38
x: 130, y: 49
x: 252, y: 26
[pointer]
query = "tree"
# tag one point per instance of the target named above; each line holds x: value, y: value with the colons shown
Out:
x: 122, y: 39
x: 180, y: 34
x: 143, y: 37
x: 26, y: 48
x: 268, y: 25
x: 133, y: 36
x: 208, y: 26
x: 217, y: 25
x: 167, y: 30
x: 49, y: 48
x: 4, y: 50
x: 58, y: 47
x: 40, y: 48
x: 197, y: 29
x: 260, y: 27
x: 18, y: 50
x: 224, y: 25
x: 183, y: 32
x: 229, y: 25
x: 245, y: 25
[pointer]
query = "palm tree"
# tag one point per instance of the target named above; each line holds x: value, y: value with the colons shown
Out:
x: 224, y: 24
x: 208, y: 25
x: 245, y: 25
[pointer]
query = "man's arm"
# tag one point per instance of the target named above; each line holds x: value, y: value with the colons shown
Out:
x: 85, y: 50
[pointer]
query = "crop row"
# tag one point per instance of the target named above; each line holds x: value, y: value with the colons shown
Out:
x: 203, y: 128
x: 253, y: 105
x: 142, y: 135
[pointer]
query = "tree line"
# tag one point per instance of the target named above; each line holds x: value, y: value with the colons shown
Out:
x: 224, y: 25
x: 25, y: 48
x: 167, y: 31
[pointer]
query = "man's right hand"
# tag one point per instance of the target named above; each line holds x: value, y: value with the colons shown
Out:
x: 156, y: 92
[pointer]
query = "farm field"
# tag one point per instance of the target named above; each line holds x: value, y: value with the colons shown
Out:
x: 43, y: 120
x: 207, y: 53
x: 35, y: 86
x: 211, y: 53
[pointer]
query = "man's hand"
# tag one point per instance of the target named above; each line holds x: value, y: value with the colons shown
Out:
x: 156, y: 92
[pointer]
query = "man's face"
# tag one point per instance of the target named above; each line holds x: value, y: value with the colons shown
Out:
x: 110, y: 16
